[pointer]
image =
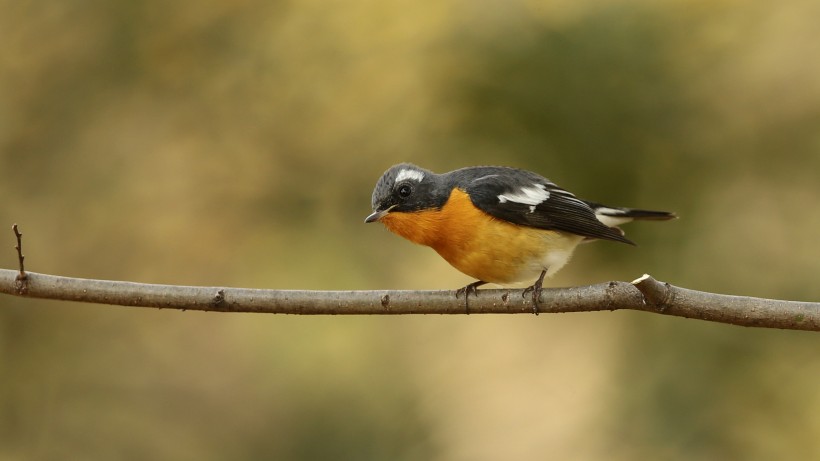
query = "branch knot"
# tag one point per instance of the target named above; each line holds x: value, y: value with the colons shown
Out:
x: 655, y: 294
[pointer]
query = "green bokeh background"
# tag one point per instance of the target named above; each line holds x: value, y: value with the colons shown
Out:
x: 236, y: 143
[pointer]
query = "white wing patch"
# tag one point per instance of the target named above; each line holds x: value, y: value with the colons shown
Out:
x: 610, y: 216
x: 407, y: 173
x: 531, y: 196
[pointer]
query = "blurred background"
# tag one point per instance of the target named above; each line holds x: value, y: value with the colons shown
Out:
x: 236, y: 143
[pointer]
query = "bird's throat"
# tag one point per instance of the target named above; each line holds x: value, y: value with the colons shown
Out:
x: 422, y: 227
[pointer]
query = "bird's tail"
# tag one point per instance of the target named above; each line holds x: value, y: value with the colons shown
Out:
x: 632, y: 213
x: 612, y: 216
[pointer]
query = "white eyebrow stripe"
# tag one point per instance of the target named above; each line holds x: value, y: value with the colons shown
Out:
x: 527, y: 195
x: 407, y: 173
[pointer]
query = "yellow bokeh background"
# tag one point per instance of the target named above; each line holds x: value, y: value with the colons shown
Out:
x: 236, y: 143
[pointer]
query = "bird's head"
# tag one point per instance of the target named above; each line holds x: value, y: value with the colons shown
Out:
x: 405, y: 188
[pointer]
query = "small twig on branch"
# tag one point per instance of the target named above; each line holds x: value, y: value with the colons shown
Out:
x: 21, y: 280
x: 19, y: 249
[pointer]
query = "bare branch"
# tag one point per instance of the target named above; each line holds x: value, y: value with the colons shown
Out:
x: 644, y: 294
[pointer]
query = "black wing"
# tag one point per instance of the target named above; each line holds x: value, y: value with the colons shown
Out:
x: 528, y: 199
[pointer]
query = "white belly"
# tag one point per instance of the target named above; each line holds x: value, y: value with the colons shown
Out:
x: 561, y: 246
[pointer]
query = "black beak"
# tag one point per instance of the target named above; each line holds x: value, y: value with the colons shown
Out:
x: 377, y: 215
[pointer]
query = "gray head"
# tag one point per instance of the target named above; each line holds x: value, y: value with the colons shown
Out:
x: 406, y: 188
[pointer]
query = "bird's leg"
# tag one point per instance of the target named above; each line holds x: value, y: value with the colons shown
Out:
x: 536, y: 291
x: 471, y: 288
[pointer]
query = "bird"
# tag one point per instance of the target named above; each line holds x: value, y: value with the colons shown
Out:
x: 496, y: 224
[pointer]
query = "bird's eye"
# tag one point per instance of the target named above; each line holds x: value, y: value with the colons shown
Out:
x: 405, y: 190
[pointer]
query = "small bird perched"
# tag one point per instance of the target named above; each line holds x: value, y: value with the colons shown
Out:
x: 496, y: 224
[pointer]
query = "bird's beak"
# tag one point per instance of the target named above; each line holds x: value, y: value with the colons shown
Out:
x: 378, y: 214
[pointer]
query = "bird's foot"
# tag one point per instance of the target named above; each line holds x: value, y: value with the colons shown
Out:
x: 536, y: 290
x: 471, y: 288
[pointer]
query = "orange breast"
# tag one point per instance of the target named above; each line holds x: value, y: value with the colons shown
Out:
x: 474, y: 242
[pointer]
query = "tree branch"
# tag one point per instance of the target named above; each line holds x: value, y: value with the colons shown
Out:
x: 644, y: 294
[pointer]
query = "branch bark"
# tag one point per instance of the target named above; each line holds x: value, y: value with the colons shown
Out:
x: 644, y: 294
